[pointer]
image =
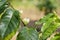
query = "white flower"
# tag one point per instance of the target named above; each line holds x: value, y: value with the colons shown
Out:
x: 21, y: 11
x: 26, y: 20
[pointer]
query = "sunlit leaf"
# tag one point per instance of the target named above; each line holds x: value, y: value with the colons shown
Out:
x: 52, y: 27
x: 50, y: 24
x: 9, y: 23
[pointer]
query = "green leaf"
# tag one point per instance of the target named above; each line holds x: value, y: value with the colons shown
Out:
x: 52, y: 27
x: 50, y: 23
x: 9, y: 23
x: 28, y: 34
x: 45, y: 19
x: 3, y: 5
x: 46, y: 24
x: 2, y: 2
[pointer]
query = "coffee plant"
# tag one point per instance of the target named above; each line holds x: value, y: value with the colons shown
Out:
x: 50, y: 21
x: 10, y: 22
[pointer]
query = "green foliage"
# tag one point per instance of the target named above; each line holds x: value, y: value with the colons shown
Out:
x: 28, y: 34
x: 47, y: 5
x: 51, y: 21
x: 10, y: 21
x: 50, y: 25
x: 9, y: 24
x: 3, y: 5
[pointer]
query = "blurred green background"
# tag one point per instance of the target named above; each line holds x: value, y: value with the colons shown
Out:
x: 29, y: 8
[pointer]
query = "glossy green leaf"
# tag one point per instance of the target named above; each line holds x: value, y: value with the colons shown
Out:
x: 28, y: 34
x: 9, y: 23
x: 3, y: 5
x: 2, y: 2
